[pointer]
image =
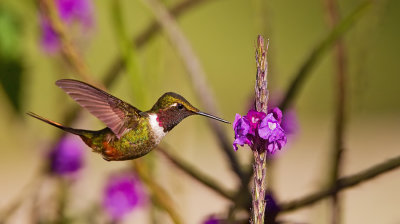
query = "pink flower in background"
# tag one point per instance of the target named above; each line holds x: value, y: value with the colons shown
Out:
x: 123, y: 192
x: 66, y: 158
x: 72, y: 12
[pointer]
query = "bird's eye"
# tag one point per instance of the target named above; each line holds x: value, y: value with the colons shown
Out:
x: 179, y: 106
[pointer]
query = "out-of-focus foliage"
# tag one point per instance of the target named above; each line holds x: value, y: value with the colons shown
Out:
x: 11, y: 64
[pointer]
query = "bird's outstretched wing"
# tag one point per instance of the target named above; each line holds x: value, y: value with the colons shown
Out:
x: 118, y: 115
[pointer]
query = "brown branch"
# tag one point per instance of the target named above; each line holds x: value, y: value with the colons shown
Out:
x: 196, y: 174
x: 339, y: 127
x: 342, y: 184
x: 197, y: 77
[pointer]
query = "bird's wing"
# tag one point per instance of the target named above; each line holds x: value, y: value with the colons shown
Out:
x: 118, y: 115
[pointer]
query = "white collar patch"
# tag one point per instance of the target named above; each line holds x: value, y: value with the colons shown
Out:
x: 157, y: 129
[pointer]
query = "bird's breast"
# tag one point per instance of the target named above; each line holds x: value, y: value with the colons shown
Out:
x: 156, y: 129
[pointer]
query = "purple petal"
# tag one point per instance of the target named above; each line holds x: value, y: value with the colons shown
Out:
x: 254, y: 118
x: 272, y: 132
x: 237, y: 118
x: 267, y: 126
x: 277, y: 113
x: 241, y: 126
x: 241, y: 141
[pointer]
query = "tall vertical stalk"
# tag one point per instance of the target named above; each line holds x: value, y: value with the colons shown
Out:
x: 260, y: 155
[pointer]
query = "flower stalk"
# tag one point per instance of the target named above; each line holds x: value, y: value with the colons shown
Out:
x: 260, y: 154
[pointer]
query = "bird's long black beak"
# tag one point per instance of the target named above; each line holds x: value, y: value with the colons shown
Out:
x: 212, y: 116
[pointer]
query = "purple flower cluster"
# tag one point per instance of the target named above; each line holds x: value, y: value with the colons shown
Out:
x: 67, y: 157
x: 123, y: 192
x: 257, y: 126
x: 70, y: 11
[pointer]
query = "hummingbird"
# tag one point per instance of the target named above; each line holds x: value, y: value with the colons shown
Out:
x: 130, y: 133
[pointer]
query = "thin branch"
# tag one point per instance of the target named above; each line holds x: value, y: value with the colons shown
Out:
x: 117, y: 65
x: 197, y: 76
x: 339, y: 127
x: 68, y: 50
x: 319, y: 51
x: 342, y: 184
x: 196, y: 174
x: 158, y: 194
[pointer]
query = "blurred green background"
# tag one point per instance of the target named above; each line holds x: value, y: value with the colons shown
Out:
x: 223, y: 35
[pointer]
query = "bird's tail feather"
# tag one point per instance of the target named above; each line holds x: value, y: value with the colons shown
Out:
x: 55, y: 124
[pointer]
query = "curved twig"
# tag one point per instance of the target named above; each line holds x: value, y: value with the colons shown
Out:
x: 342, y: 184
x: 197, y: 174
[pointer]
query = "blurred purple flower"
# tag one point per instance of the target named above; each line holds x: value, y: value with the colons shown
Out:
x: 258, y: 125
x: 123, y: 192
x: 272, y: 208
x: 67, y: 157
x: 213, y: 220
x: 49, y: 41
x: 290, y: 123
x: 70, y: 11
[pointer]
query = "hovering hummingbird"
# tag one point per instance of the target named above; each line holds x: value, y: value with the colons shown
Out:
x: 130, y: 133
